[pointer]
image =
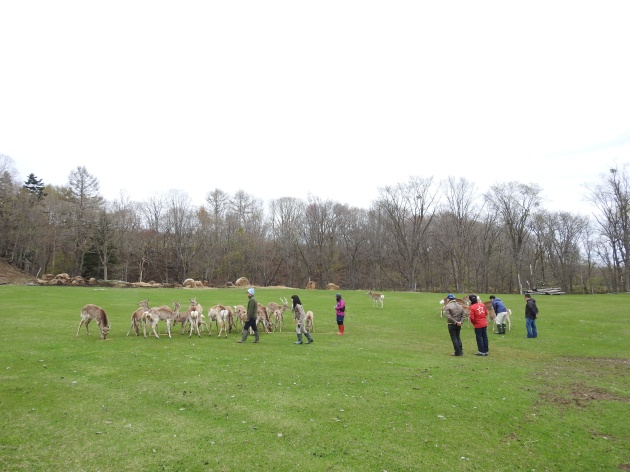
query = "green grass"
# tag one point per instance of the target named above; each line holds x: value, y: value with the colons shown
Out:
x: 386, y: 396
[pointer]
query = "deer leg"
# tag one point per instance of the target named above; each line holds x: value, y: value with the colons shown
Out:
x: 79, y: 328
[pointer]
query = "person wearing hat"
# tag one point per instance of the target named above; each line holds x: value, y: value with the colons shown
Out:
x: 340, y: 311
x: 300, y: 317
x: 499, y: 308
x: 252, y: 310
x: 479, y: 319
x: 455, y: 317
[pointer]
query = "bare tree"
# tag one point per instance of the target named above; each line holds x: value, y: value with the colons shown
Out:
x: 318, y: 239
x: 454, y: 225
x: 285, y: 221
x: 352, y: 234
x: 612, y: 199
x: 514, y: 203
x: 407, y: 211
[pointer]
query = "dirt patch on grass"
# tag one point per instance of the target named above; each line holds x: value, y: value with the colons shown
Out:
x: 569, y: 381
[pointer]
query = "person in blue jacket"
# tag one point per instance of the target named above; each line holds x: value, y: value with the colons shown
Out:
x: 501, y: 312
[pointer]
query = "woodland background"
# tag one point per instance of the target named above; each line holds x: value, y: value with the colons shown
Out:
x: 419, y: 235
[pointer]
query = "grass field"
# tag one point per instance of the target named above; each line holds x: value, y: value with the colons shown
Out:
x: 387, y: 396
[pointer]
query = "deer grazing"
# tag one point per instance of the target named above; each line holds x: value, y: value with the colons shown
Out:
x: 163, y: 313
x: 263, y: 318
x: 138, y: 317
x: 92, y: 312
x: 240, y: 315
x: 277, y: 312
x: 376, y: 298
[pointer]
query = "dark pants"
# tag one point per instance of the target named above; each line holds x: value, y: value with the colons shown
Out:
x: 251, y: 324
x: 482, y: 339
x: 340, y: 320
x: 454, y: 331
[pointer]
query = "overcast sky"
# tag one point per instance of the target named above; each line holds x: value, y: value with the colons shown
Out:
x: 332, y: 99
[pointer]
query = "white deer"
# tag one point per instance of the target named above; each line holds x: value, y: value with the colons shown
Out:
x: 185, y: 318
x: 219, y: 313
x: 310, y: 326
x: 164, y: 313
x: 93, y: 312
x: 376, y: 298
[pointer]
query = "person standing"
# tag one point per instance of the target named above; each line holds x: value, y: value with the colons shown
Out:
x: 531, y: 313
x: 501, y: 312
x: 300, y: 317
x: 340, y: 310
x: 252, y: 310
x: 479, y: 319
x: 454, y: 318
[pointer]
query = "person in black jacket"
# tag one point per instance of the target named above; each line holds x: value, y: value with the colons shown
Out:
x: 531, y: 313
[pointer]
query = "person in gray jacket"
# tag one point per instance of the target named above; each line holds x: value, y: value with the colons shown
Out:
x: 455, y: 317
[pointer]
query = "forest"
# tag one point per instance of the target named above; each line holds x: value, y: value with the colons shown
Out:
x: 419, y: 235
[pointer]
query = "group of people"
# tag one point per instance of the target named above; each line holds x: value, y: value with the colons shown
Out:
x: 298, y: 313
x: 478, y: 314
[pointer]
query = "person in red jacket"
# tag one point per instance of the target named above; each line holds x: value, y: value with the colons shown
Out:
x: 479, y: 319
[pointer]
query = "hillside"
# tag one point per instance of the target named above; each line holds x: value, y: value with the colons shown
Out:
x: 11, y: 275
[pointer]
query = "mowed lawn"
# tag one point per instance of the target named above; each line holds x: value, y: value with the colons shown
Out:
x: 387, y: 396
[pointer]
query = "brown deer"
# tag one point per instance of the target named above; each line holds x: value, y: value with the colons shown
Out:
x: 163, y: 313
x: 376, y: 298
x: 138, y: 317
x: 92, y: 312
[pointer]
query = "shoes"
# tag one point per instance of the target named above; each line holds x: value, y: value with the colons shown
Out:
x: 457, y: 355
x: 479, y: 354
x: 486, y: 353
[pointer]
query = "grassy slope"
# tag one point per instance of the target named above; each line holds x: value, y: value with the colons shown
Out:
x: 387, y: 396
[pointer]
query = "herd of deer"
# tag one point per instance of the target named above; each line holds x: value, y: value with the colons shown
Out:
x: 224, y: 317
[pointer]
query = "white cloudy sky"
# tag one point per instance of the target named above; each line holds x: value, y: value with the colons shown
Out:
x: 330, y: 98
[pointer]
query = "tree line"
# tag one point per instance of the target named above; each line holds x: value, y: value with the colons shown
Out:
x: 418, y: 235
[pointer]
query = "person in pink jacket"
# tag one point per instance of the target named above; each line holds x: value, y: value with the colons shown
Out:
x: 340, y: 311
x: 479, y: 319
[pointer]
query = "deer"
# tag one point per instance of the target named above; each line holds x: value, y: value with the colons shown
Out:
x: 184, y: 318
x: 220, y: 313
x: 376, y: 298
x: 310, y: 326
x: 277, y: 311
x: 240, y: 314
x: 93, y: 312
x: 138, y: 317
x: 263, y: 318
x: 164, y: 313
x: 194, y: 317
